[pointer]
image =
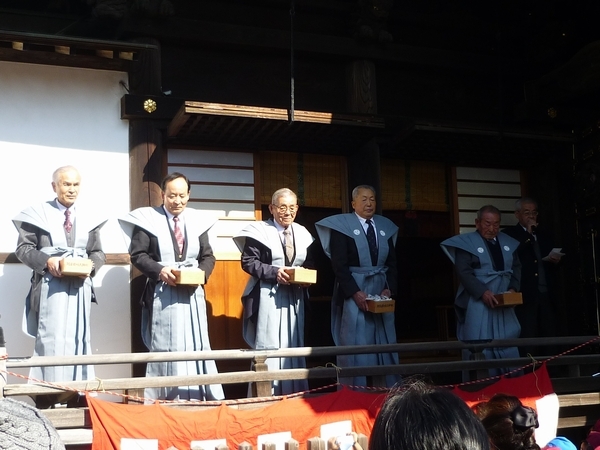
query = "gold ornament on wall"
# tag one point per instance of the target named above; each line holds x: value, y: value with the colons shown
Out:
x: 149, y: 106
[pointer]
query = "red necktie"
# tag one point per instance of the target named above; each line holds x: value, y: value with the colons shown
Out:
x: 68, y: 225
x: 178, y: 235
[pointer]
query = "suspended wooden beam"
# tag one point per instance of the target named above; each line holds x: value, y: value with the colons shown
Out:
x: 105, y: 53
x: 191, y: 108
x: 62, y: 49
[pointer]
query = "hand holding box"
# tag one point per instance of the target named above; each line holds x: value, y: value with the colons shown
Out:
x: 189, y: 276
x: 76, y: 267
x: 300, y: 275
x: 509, y: 298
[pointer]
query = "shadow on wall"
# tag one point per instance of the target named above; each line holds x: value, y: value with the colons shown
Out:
x: 110, y: 327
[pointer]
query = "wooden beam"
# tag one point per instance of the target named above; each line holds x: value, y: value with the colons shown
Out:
x: 114, y: 259
x: 248, y: 37
x: 196, y: 110
x: 62, y: 49
x: 105, y: 53
x: 69, y: 51
x: 57, y: 59
x: 132, y: 107
x: 75, y: 42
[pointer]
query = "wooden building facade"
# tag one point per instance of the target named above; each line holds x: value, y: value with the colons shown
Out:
x: 319, y: 96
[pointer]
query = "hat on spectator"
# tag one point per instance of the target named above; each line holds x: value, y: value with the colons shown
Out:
x: 561, y: 443
x: 24, y: 427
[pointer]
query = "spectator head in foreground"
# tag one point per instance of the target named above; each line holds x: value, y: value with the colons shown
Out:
x: 509, y: 424
x: 592, y: 442
x: 419, y: 416
x: 24, y: 427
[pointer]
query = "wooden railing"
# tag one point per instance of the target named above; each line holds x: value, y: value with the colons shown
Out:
x: 578, y: 393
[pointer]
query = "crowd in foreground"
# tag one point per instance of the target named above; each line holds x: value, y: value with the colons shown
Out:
x: 414, y: 416
x: 419, y: 416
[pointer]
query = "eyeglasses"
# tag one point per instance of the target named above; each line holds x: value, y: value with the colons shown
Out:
x: 533, y: 213
x: 284, y: 208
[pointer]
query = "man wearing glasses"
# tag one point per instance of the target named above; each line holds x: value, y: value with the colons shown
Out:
x: 537, y: 315
x: 274, y: 308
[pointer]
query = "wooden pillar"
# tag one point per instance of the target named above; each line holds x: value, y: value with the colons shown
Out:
x: 364, y: 168
x: 362, y: 87
x: 145, y: 136
x: 3, y: 358
x: 292, y: 444
x: 316, y: 443
x: 145, y: 171
x: 261, y: 388
x: 363, y: 165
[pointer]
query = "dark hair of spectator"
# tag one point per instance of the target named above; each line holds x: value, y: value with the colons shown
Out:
x: 419, y: 416
x: 509, y: 424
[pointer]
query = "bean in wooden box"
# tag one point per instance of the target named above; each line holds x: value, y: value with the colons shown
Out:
x: 300, y: 275
x: 193, y: 276
x: 381, y: 306
x: 509, y: 298
x: 76, y: 266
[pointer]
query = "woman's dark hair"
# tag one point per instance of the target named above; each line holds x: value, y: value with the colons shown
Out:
x: 509, y: 424
x: 419, y: 416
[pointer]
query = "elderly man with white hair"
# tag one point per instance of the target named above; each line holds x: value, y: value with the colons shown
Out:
x: 58, y: 305
x: 274, y: 308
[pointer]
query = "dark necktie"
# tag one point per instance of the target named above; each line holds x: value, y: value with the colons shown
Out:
x: 68, y: 224
x: 178, y: 235
x: 289, y: 245
x: 496, y: 252
x: 372, y: 242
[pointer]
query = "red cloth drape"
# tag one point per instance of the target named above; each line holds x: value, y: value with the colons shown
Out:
x: 529, y: 388
x: 177, y: 428
x: 302, y: 417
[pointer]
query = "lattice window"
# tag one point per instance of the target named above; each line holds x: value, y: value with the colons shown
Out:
x: 476, y: 187
x: 316, y: 179
x: 222, y: 182
x: 414, y: 185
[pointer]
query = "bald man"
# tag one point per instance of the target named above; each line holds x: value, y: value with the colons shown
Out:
x: 58, y: 305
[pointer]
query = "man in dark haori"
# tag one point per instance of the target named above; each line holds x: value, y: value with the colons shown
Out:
x: 487, y: 263
x: 58, y: 306
x: 274, y: 308
x: 537, y: 314
x: 361, y: 246
x: 174, y: 318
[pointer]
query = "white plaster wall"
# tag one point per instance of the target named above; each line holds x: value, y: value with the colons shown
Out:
x: 50, y: 117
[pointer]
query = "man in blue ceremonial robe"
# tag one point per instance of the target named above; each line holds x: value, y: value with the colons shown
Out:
x: 361, y: 246
x: 174, y: 318
x: 487, y: 263
x: 274, y: 308
x: 58, y: 306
